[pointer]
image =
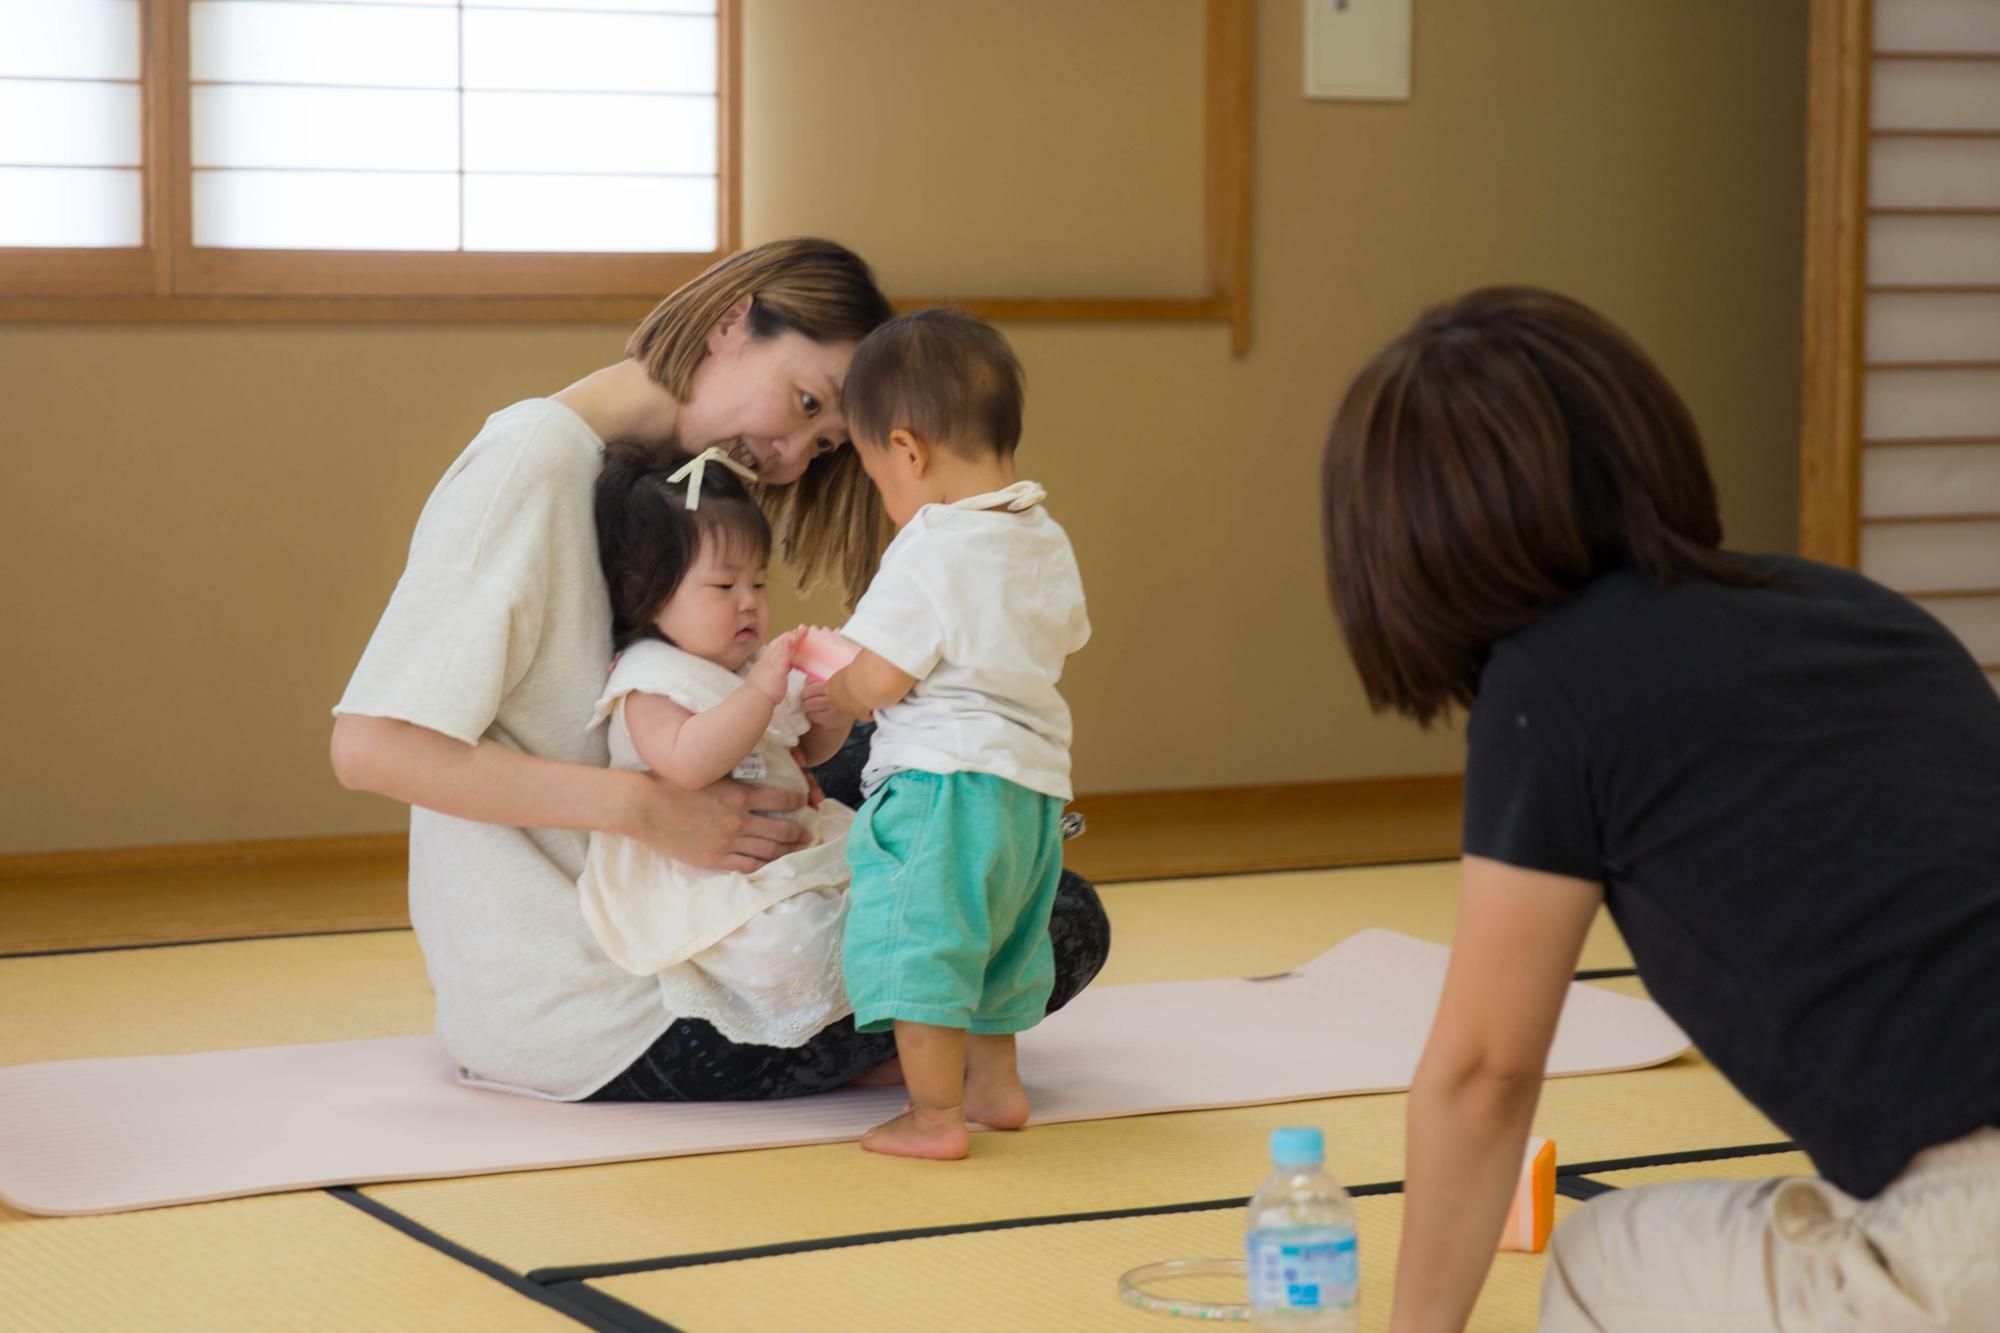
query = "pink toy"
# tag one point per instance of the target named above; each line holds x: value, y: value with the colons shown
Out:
x: 821, y: 652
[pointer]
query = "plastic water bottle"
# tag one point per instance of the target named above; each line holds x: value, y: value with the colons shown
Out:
x: 1301, y: 1251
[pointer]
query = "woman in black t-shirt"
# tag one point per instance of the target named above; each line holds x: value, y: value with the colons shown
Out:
x: 1783, y: 781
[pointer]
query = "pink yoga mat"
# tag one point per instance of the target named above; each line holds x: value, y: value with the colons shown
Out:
x: 100, y: 1136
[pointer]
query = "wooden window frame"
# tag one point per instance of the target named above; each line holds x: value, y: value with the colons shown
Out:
x: 170, y: 280
x: 1840, y: 49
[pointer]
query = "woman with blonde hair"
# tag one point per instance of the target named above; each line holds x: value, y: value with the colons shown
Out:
x: 473, y: 700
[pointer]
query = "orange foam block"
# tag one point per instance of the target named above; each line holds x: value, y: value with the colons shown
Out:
x: 1533, y: 1214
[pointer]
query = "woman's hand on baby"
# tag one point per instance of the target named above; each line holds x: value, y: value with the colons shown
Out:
x: 723, y: 826
x: 773, y: 671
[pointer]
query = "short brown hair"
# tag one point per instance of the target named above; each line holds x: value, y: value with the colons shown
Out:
x: 1484, y: 467
x: 818, y: 288
x: 940, y: 373
x: 829, y: 520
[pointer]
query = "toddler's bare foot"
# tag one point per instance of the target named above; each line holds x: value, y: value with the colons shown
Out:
x: 997, y: 1101
x: 933, y: 1134
x: 888, y: 1074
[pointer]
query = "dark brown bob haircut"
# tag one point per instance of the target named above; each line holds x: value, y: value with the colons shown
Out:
x: 1486, y: 465
x: 648, y: 539
x: 941, y: 374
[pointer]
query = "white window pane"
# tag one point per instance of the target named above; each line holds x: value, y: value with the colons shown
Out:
x: 1934, y: 173
x: 1937, y: 25
x: 1931, y: 479
x: 306, y: 210
x: 1975, y: 620
x: 1933, y: 326
x: 506, y: 49
x: 379, y: 128
x: 626, y: 6
x: 1938, y: 250
x: 375, y: 46
x: 69, y: 39
x: 1913, y: 557
x: 1907, y: 404
x: 589, y: 132
x: 70, y: 124
x: 598, y: 213
x: 71, y: 207
x: 1936, y: 95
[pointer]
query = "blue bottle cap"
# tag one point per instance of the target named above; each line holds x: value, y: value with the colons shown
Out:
x: 1298, y: 1146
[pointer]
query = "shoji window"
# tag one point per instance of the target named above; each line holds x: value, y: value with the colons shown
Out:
x: 73, y: 136
x: 241, y: 158
x: 431, y: 146
x: 1902, y: 466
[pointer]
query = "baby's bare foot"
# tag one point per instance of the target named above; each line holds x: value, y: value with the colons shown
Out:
x: 996, y: 1102
x: 932, y: 1134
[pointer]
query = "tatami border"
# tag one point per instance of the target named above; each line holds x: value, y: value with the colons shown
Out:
x: 594, y: 1310
x: 220, y: 939
x: 1564, y: 1174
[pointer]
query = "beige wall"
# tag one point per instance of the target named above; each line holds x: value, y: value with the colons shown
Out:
x: 199, y: 524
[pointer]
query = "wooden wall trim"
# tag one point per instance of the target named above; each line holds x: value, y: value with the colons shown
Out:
x: 1132, y: 836
x: 260, y: 853
x: 1228, y: 142
x: 1835, y: 280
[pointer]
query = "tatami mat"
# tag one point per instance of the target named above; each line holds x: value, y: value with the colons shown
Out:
x: 227, y: 902
x: 201, y: 997
x: 1728, y: 1168
x: 1249, y: 925
x: 678, y: 1206
x: 293, y: 1262
x: 687, y: 1205
x: 274, y: 991
x: 1053, y: 1279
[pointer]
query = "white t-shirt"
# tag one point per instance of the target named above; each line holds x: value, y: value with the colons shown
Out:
x: 981, y: 601
x: 500, y: 628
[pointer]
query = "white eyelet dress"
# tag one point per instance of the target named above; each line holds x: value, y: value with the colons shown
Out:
x: 756, y: 954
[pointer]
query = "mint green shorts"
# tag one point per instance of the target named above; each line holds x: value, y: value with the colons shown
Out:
x: 948, y: 915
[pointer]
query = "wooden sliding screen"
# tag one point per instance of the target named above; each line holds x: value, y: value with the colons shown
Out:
x: 1901, y: 455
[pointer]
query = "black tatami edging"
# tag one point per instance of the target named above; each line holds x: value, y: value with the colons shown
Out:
x: 591, y: 1309
x: 587, y: 1272
x: 1583, y: 1187
x: 1565, y: 1176
x: 222, y: 939
x: 1675, y: 1158
x: 1606, y: 973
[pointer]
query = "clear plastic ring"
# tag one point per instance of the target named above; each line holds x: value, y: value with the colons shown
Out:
x: 1132, y: 1288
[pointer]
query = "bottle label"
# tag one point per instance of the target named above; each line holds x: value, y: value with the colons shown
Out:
x: 1303, y: 1268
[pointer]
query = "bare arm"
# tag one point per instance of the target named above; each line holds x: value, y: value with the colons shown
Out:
x: 694, y: 749
x: 829, y: 728
x: 866, y: 684
x: 717, y: 827
x: 1513, y: 955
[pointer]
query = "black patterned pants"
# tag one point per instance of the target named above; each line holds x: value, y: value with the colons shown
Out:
x: 692, y: 1062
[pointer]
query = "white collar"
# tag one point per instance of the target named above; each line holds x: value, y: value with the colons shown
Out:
x: 1020, y: 496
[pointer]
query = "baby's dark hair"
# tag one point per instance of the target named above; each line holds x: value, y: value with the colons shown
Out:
x: 947, y: 376
x: 648, y: 539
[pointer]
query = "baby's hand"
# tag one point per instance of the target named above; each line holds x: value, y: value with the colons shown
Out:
x: 774, y: 666
x: 821, y: 710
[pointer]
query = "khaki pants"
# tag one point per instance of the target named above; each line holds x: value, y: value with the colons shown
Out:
x: 1788, y: 1256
